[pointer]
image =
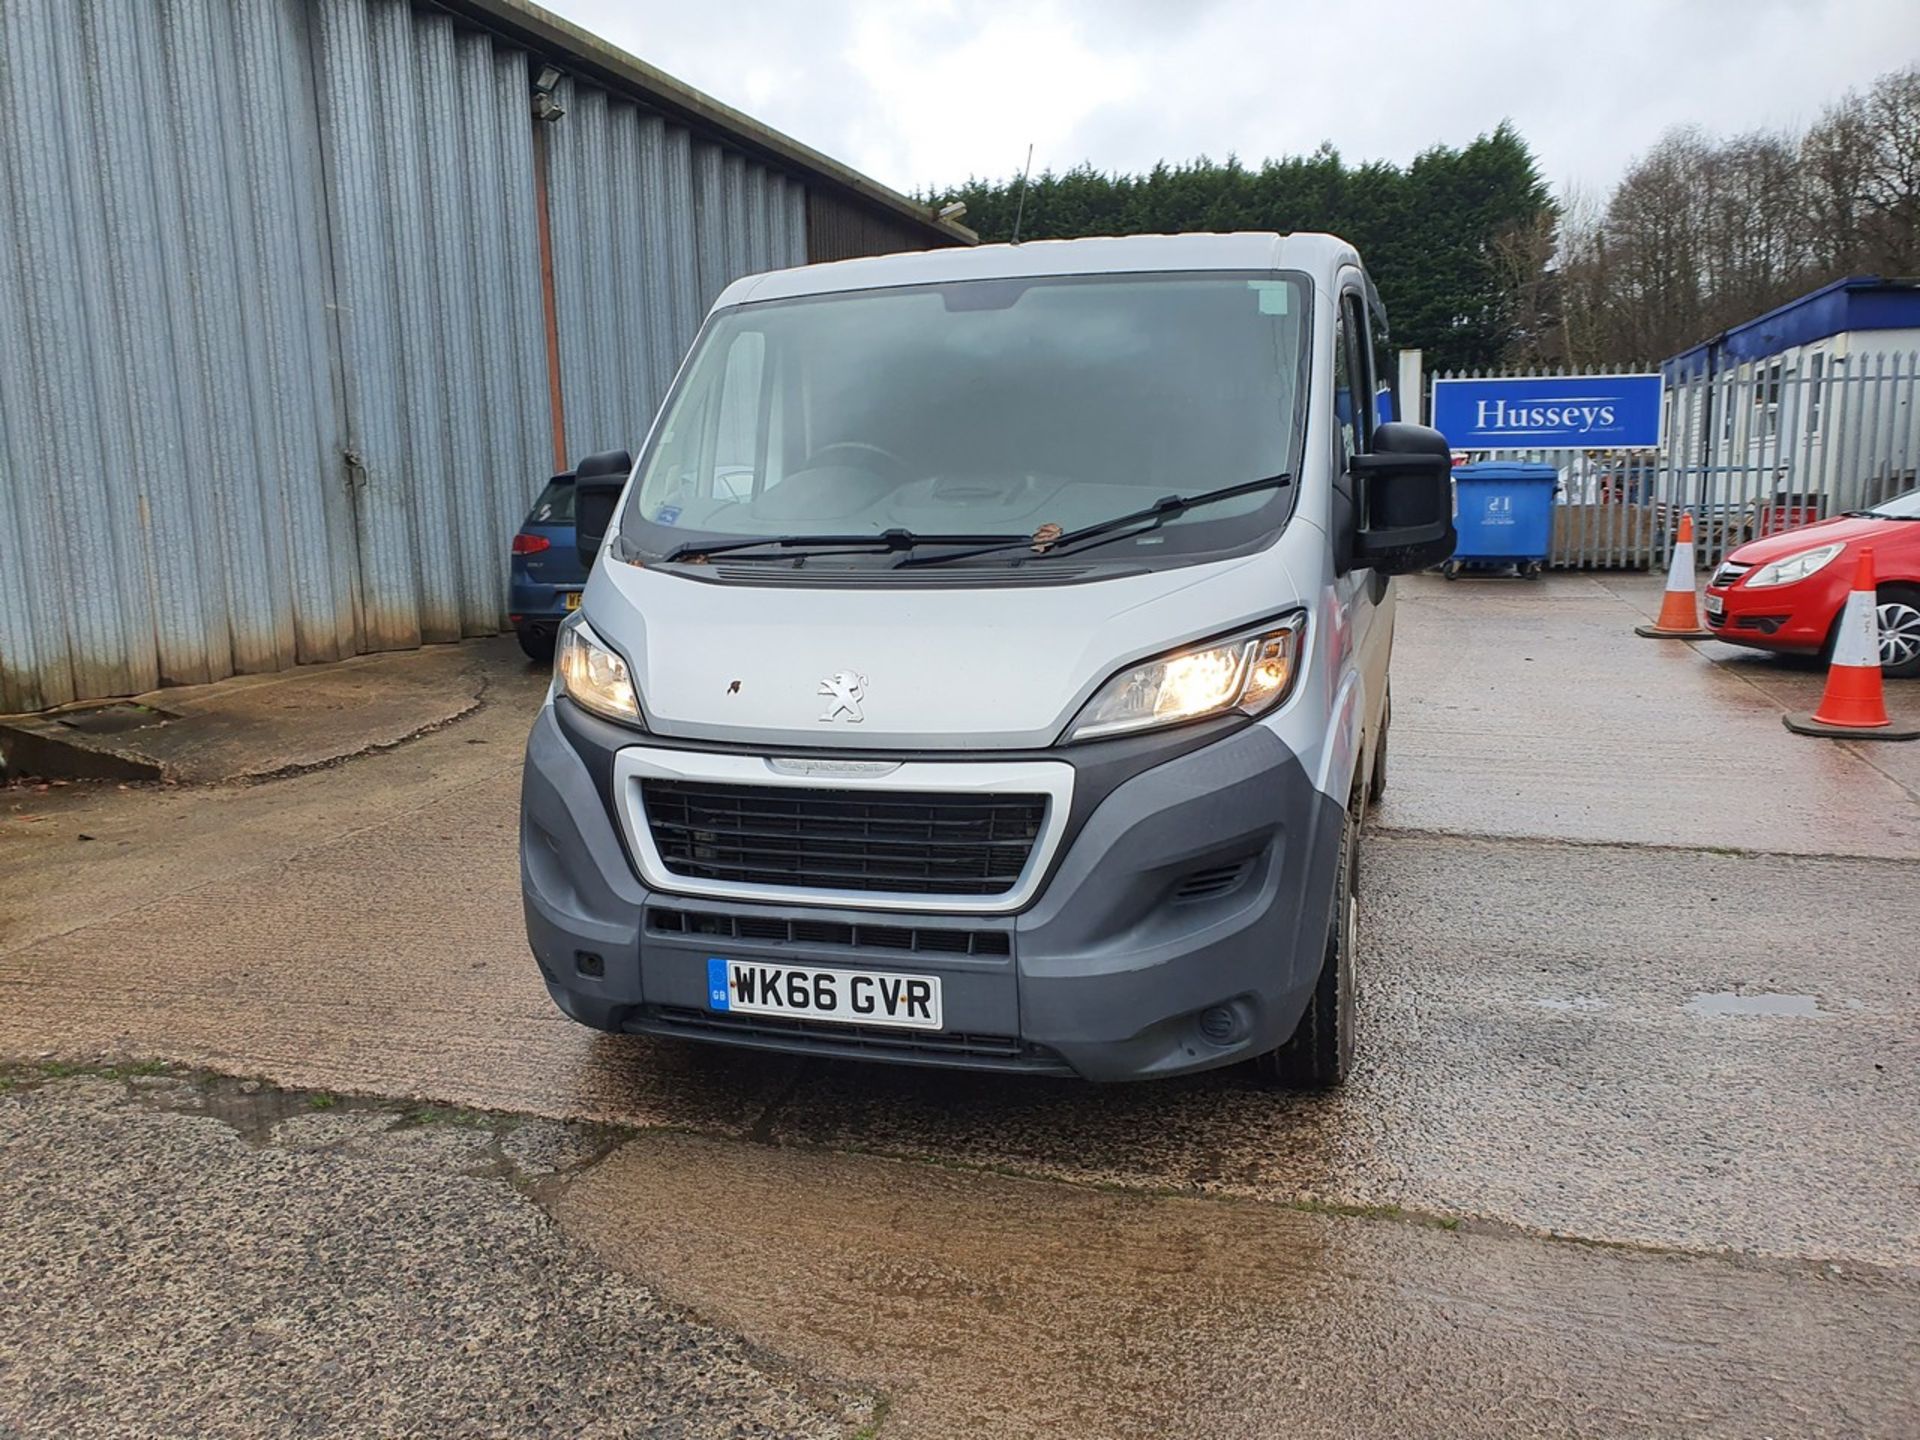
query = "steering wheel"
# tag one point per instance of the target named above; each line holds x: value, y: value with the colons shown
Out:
x: 861, y: 449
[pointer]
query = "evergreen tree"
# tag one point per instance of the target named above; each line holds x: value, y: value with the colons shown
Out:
x: 1437, y: 235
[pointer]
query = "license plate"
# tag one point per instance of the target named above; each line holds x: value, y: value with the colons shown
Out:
x: 845, y: 997
x: 573, y: 600
x: 1716, y: 607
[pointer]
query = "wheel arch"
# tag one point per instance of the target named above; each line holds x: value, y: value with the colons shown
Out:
x: 1346, y: 737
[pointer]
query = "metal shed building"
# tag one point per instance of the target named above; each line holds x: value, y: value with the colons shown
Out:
x: 302, y: 304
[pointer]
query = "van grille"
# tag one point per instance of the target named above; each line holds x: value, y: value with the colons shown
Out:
x: 780, y: 930
x: 896, y: 842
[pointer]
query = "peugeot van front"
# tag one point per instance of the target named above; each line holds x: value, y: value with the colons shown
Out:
x: 985, y: 664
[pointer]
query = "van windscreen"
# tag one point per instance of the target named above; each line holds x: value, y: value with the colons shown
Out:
x: 990, y: 407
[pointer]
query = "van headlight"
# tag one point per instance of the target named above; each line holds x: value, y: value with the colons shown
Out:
x: 593, y: 677
x: 1790, y: 568
x: 1248, y: 673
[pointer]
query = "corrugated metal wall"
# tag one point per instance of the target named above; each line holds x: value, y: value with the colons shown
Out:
x: 273, y: 385
x: 429, y: 189
x: 649, y: 225
x: 166, y: 401
x: 839, y: 229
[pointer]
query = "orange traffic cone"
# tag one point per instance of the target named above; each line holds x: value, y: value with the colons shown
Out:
x: 1680, y: 607
x: 1854, y: 704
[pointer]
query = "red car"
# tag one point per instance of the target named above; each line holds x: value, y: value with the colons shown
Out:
x: 1784, y: 592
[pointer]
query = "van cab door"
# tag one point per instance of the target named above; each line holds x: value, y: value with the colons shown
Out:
x: 1365, y: 594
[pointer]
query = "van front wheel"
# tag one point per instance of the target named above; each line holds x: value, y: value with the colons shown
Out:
x: 1319, y: 1055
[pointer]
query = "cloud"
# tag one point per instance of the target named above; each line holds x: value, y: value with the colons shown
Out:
x: 928, y: 92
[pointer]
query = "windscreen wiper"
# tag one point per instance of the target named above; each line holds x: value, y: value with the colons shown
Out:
x: 782, y: 545
x: 1135, y: 522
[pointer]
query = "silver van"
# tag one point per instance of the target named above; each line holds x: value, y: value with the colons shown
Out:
x: 985, y: 665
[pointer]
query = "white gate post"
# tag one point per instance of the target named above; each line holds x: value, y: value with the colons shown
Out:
x: 1412, y: 396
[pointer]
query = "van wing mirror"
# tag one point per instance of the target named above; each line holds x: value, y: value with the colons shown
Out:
x: 1405, y: 489
x: 597, y: 483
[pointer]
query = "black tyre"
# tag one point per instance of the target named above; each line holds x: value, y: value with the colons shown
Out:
x: 538, y: 644
x: 1377, y: 778
x: 1899, y: 616
x: 1319, y: 1055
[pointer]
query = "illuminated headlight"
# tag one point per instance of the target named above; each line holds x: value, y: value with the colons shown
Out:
x: 593, y: 677
x: 1248, y: 673
x: 1793, y: 567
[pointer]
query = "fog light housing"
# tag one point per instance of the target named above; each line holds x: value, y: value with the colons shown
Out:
x: 1220, y: 1024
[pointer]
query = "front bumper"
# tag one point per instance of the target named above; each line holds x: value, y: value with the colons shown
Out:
x: 1793, y: 618
x: 1199, y: 884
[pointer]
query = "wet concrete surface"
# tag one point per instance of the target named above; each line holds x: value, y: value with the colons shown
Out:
x: 252, y: 726
x: 1529, y: 1053
x: 988, y: 1306
x: 1573, y: 1026
x: 80, y: 854
x: 1531, y: 709
x: 1530, y: 1056
x: 344, y: 1274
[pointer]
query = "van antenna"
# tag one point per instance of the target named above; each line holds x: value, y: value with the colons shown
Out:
x: 1021, y: 209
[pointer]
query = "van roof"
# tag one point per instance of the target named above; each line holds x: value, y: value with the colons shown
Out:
x: 1317, y: 254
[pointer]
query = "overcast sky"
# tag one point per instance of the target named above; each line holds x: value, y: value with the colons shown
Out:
x: 927, y: 92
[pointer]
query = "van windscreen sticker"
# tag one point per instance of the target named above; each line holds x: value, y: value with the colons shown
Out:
x: 1276, y: 296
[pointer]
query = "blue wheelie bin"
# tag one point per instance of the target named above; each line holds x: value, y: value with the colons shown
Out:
x: 1503, y: 514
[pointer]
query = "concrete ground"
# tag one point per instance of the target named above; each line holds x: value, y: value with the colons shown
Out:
x: 252, y: 727
x: 188, y: 1260
x: 1630, y: 1152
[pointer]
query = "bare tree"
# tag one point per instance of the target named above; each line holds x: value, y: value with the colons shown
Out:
x: 1834, y: 158
x: 1656, y: 234
x: 1890, y: 186
x: 1754, y: 248
x: 1701, y: 234
x: 1520, y: 258
x: 1582, y: 280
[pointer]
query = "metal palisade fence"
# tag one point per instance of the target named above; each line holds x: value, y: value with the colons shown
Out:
x: 1749, y: 450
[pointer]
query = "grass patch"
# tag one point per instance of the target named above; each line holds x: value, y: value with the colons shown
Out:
x: 871, y: 1429
x: 70, y: 1069
x: 1310, y: 1206
x: 423, y: 1115
x: 322, y: 1101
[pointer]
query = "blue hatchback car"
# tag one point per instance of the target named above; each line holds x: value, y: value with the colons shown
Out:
x: 546, y: 576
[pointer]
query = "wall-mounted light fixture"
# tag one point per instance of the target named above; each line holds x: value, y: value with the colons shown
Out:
x: 545, y: 107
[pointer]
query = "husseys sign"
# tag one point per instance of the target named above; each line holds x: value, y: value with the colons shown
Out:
x: 1549, y: 412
